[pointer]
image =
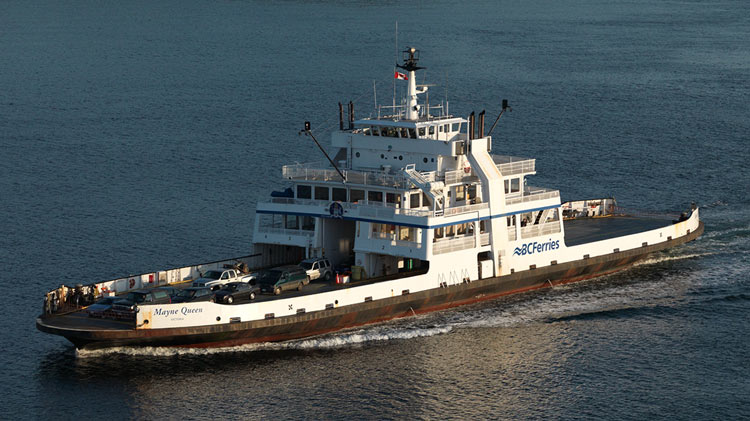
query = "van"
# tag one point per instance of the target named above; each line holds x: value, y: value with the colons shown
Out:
x: 281, y: 279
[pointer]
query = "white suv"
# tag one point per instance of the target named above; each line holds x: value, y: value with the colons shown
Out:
x: 317, y: 268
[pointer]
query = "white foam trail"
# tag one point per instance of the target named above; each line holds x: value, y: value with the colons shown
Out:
x: 338, y: 340
x: 660, y: 259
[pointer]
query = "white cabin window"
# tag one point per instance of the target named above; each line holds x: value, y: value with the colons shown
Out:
x: 421, y: 132
x: 515, y: 185
x: 414, y: 200
x: 304, y: 192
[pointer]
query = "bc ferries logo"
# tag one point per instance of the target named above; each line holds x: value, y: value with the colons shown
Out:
x: 536, y: 247
x: 336, y: 210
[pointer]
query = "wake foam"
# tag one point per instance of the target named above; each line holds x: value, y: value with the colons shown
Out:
x: 374, y: 333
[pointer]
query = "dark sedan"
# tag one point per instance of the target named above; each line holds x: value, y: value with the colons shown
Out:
x: 192, y: 294
x: 235, y: 291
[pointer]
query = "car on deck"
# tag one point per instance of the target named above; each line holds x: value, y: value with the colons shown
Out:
x: 276, y: 280
x: 234, y: 291
x: 193, y: 294
x: 317, y: 268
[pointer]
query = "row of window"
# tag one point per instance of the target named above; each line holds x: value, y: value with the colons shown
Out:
x: 341, y: 194
x: 291, y: 222
x: 394, y: 232
x: 467, y: 228
x: 411, y: 133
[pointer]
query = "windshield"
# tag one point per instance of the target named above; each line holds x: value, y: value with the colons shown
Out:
x: 135, y: 297
x: 306, y: 265
x: 212, y: 274
x: 270, y: 277
x: 186, y: 293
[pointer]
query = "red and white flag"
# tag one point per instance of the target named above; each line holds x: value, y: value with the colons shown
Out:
x: 401, y: 76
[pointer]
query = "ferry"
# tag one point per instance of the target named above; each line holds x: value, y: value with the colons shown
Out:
x: 412, y: 213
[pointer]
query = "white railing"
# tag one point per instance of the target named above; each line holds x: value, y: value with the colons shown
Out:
x: 309, y: 172
x: 484, y: 239
x: 551, y: 227
x: 512, y: 233
x: 464, y: 209
x: 285, y: 231
x: 533, y: 193
x: 379, y: 209
x: 509, y: 165
x: 459, y: 176
x: 447, y: 245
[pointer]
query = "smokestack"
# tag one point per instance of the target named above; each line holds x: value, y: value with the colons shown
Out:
x: 341, y: 117
x: 471, y: 125
x: 481, y: 124
x: 351, y: 115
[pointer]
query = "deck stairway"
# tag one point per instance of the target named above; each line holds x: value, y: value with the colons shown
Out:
x: 433, y: 189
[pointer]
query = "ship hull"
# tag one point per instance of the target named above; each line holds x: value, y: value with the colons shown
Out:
x: 326, y: 321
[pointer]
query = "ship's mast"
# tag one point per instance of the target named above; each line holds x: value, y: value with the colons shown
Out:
x: 411, y: 56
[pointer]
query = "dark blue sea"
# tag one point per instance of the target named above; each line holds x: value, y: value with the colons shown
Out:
x: 139, y: 135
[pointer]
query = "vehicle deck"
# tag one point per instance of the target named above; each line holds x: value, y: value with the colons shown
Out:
x: 587, y: 230
x: 577, y: 231
x: 79, y: 320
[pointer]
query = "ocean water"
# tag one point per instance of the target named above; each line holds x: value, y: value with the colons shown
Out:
x: 140, y: 135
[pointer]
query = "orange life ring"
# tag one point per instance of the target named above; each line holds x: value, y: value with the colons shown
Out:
x: 467, y: 170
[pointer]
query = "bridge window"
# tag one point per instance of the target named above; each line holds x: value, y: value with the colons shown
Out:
x: 321, y: 193
x: 393, y: 198
x: 304, y: 192
x: 375, y: 131
x: 375, y: 196
x: 421, y: 132
x: 413, y: 133
x: 339, y: 194
x: 356, y: 196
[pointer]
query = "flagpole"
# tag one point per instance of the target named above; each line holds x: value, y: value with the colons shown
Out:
x: 394, y: 70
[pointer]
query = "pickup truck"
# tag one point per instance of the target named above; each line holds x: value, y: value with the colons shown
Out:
x: 214, y: 279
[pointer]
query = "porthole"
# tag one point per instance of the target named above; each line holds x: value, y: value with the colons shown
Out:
x: 218, y: 319
x: 432, y: 159
x: 382, y: 156
x: 425, y: 160
x: 357, y: 154
x: 337, y: 301
x: 400, y: 157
